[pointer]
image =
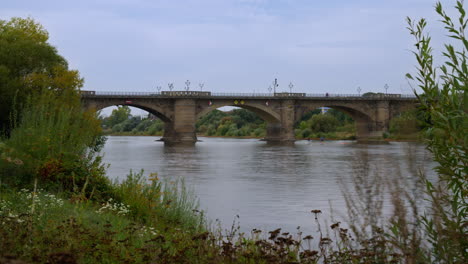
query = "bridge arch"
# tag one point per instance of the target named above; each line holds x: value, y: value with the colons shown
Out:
x: 264, y: 112
x: 364, y: 118
x: 150, y: 108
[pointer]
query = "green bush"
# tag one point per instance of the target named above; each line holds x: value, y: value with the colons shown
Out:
x: 306, y: 133
x: 56, y: 143
x: 151, y: 198
x: 323, y: 123
x: 444, y: 107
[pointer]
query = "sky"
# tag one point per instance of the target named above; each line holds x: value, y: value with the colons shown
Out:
x: 319, y: 46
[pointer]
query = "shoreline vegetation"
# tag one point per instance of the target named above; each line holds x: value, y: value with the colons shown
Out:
x: 58, y: 206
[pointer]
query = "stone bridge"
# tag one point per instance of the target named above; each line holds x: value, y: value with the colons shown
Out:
x: 181, y: 109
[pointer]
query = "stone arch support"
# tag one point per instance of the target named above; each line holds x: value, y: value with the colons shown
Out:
x: 265, y: 112
x: 162, y: 111
x: 371, y: 117
x: 279, y: 115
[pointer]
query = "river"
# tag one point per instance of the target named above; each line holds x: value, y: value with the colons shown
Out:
x: 274, y: 186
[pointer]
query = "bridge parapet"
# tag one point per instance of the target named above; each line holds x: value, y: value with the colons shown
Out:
x: 290, y: 94
x: 207, y: 94
x: 185, y: 93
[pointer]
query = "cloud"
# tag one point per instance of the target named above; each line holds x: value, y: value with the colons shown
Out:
x: 231, y: 45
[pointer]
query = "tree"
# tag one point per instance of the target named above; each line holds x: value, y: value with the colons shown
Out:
x: 444, y: 104
x: 119, y: 115
x: 323, y: 123
x: 28, y: 64
x: 49, y: 135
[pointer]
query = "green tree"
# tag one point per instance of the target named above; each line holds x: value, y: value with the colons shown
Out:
x: 341, y: 117
x: 323, y: 123
x: 404, y: 125
x: 444, y: 104
x: 49, y: 136
x: 119, y: 115
x: 29, y: 64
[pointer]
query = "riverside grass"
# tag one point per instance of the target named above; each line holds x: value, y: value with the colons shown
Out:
x: 40, y: 227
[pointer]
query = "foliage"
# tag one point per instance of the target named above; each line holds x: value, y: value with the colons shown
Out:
x: 119, y: 115
x: 56, y: 143
x: 41, y: 227
x: 36, y: 226
x: 444, y: 103
x: 154, y: 198
x: 28, y: 64
x: 332, y: 125
x: 323, y: 123
x: 405, y: 126
x: 235, y: 123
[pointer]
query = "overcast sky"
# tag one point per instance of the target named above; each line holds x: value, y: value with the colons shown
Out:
x: 234, y: 45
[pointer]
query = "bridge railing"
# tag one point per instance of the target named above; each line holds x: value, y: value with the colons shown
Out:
x: 185, y: 93
x: 262, y: 95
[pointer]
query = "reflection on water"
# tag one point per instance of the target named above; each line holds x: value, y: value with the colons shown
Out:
x: 271, y: 186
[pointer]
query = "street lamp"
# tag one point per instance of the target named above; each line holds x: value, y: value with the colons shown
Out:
x: 158, y: 88
x: 275, y: 84
x: 269, y: 89
x: 291, y: 85
x: 386, y: 88
x: 201, y: 86
x: 359, y: 90
x: 187, y: 85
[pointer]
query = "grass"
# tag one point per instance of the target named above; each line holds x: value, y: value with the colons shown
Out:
x: 150, y: 220
x: 40, y: 227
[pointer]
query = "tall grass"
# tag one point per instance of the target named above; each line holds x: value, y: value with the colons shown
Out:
x: 153, y: 198
x: 53, y: 142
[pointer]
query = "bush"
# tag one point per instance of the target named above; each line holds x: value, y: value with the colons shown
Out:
x: 444, y: 106
x: 323, y: 123
x: 152, y: 198
x: 56, y: 143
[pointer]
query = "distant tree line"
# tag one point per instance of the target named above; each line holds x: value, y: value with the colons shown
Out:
x: 234, y: 123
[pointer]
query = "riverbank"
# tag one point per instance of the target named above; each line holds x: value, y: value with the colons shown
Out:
x: 143, y: 219
x: 43, y: 227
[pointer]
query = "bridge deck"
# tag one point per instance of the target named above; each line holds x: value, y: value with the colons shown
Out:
x: 269, y: 96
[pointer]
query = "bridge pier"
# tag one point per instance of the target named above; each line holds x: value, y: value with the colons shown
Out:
x: 181, y: 130
x: 282, y: 132
x: 372, y: 131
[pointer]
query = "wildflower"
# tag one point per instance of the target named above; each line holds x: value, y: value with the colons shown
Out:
x: 119, y: 208
x: 335, y: 225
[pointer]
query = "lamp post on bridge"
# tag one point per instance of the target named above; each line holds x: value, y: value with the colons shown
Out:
x: 171, y: 86
x: 201, y: 86
x: 359, y: 90
x: 275, y: 84
x: 158, y: 88
x: 187, y: 85
x: 386, y: 88
x: 269, y: 89
x: 291, y: 85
